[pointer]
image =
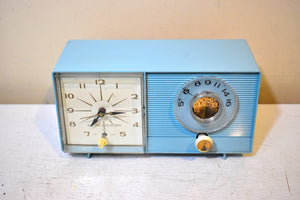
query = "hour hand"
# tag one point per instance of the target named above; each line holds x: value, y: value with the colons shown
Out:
x: 100, y: 113
x: 95, y: 121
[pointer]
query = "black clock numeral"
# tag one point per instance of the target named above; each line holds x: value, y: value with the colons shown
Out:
x: 100, y: 82
x: 122, y: 133
x: 136, y: 124
x: 72, y: 124
x: 134, y: 110
x: 70, y: 110
x: 69, y: 96
x: 82, y: 85
x: 87, y: 133
x: 134, y: 96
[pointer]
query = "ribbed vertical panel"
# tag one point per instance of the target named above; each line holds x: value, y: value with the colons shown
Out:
x: 162, y: 89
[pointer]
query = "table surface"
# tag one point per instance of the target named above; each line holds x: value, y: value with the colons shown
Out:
x: 32, y: 166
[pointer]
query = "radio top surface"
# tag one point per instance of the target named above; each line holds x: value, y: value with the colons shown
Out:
x: 228, y: 56
x: 156, y: 96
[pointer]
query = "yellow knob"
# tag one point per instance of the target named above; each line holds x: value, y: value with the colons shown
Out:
x: 102, y: 143
x: 203, y: 143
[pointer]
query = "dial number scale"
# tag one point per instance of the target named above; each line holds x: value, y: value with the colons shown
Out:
x: 100, y: 110
x: 205, y: 104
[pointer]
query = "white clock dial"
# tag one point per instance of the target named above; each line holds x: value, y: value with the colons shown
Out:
x: 102, y: 106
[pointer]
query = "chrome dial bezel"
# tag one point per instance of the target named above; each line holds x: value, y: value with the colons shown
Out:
x: 205, y: 86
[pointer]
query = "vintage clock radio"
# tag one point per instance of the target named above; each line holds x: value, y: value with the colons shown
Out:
x: 156, y: 96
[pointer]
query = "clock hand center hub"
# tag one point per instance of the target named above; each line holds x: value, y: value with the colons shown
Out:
x: 101, y: 112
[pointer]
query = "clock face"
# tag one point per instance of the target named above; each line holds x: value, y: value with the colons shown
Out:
x: 102, y: 108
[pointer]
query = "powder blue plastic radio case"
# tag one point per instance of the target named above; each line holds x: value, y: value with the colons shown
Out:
x: 167, y: 65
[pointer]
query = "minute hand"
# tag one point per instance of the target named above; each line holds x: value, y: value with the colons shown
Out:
x: 114, y: 113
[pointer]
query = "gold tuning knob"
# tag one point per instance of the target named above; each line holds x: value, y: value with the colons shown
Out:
x: 203, y: 143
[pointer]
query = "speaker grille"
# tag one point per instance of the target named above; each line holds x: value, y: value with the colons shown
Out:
x: 162, y: 89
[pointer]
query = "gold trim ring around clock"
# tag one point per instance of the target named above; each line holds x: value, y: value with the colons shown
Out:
x: 206, y: 107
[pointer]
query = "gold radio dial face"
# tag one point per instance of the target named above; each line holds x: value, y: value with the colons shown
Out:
x: 206, y: 107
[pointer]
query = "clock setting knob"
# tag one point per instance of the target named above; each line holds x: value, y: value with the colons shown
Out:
x: 102, y: 142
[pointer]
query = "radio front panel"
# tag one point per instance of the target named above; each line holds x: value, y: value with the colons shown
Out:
x: 156, y: 96
x: 166, y: 134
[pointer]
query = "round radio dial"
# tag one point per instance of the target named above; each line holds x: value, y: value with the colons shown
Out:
x: 205, y: 104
